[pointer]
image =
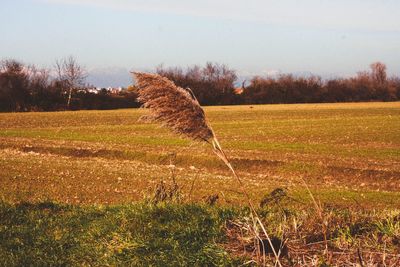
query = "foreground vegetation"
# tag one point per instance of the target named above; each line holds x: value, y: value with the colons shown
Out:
x: 49, y: 234
x: 172, y: 234
x: 68, y: 180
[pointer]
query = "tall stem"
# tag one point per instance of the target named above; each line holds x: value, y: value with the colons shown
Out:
x: 256, y: 219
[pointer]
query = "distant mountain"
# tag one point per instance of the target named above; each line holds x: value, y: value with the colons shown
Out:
x: 109, y: 77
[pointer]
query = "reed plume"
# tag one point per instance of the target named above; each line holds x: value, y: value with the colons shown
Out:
x: 178, y: 109
x: 172, y: 106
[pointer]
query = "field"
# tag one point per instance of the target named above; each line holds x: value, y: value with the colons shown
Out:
x: 347, y: 154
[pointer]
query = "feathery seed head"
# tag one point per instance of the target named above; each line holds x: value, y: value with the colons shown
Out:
x: 172, y: 106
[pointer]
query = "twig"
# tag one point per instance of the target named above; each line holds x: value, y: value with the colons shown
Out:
x: 192, y: 186
x: 360, y: 257
x: 319, y: 211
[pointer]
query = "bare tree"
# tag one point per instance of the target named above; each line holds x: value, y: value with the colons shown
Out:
x: 71, y: 74
x: 379, y: 72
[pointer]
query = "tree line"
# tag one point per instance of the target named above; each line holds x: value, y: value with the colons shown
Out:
x: 28, y: 88
x: 214, y: 85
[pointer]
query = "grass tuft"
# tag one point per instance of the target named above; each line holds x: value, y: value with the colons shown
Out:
x: 45, y: 234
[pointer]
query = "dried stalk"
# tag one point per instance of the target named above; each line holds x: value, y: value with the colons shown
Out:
x: 255, y: 218
x: 178, y: 109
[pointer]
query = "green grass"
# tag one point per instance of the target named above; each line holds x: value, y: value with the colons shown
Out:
x: 49, y: 234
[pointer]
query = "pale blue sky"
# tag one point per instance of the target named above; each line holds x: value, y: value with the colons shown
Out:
x: 253, y: 36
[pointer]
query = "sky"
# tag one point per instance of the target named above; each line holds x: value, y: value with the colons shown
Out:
x: 254, y: 37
